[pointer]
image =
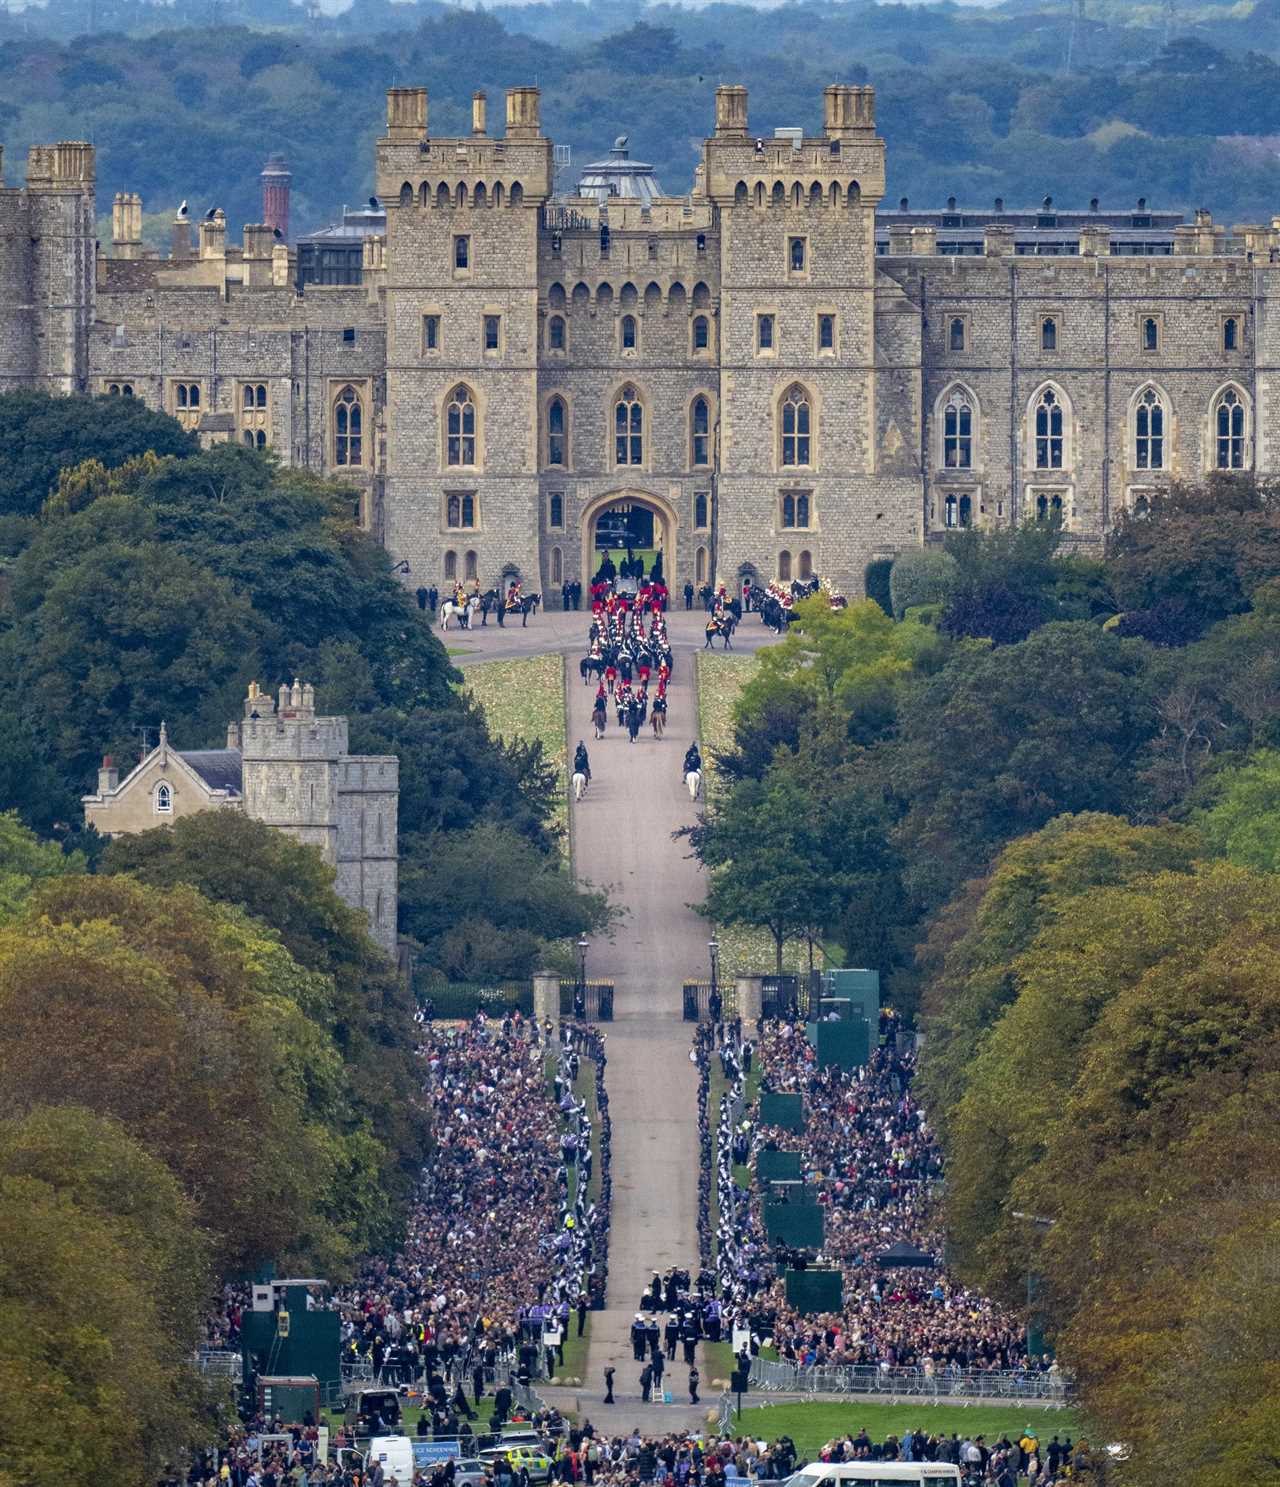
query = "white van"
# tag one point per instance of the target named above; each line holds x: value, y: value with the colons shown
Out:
x: 876, y: 1474
x: 395, y: 1454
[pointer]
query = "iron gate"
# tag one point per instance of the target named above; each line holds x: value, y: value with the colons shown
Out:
x: 792, y: 997
x: 697, y: 1001
x: 587, y: 1001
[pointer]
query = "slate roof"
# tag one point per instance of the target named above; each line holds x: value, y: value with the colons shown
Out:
x: 220, y: 769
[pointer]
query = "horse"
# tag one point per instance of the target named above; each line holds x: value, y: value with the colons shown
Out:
x: 579, y: 784
x: 591, y: 666
x: 461, y: 612
x: 659, y: 721
x: 600, y: 718
x: 693, y: 783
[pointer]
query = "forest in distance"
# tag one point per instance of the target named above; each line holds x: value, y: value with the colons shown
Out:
x: 1178, y: 104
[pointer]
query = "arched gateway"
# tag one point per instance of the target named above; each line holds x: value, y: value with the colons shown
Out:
x: 622, y: 518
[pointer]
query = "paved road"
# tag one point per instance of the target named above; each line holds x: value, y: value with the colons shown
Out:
x: 622, y: 841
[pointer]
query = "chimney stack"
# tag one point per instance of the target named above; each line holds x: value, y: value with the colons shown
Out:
x: 523, y: 113
x: 276, y: 181
x: 731, y: 112
x: 108, y: 775
x: 479, y: 112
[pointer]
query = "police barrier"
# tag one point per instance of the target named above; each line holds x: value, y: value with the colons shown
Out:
x: 970, y: 1383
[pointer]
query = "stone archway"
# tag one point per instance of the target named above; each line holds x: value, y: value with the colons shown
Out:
x: 665, y: 523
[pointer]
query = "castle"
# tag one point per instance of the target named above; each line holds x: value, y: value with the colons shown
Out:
x: 774, y: 374
x: 289, y: 768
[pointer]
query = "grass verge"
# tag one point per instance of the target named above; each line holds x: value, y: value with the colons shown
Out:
x: 524, y: 699
x: 812, y: 1425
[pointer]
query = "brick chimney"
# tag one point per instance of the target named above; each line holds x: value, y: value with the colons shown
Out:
x: 276, y: 180
x: 108, y: 775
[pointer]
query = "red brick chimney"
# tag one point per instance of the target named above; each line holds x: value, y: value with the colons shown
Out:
x: 276, y: 180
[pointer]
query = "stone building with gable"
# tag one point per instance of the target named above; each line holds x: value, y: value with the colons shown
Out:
x: 290, y: 768
x: 777, y: 372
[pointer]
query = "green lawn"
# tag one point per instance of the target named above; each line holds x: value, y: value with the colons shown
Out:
x: 812, y: 1425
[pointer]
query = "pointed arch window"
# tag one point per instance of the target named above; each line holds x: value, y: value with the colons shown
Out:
x: 555, y: 333
x: 955, y: 333
x: 700, y: 433
x: 1231, y: 334
x: 164, y: 800
x: 805, y: 564
x: 460, y: 427
x: 1049, y: 436
x: 1148, y: 431
x: 796, y: 427
x: 628, y: 428
x: 701, y: 333
x: 1229, y: 430
x: 628, y: 332
x: 957, y: 432
x: 557, y: 426
x: 784, y: 566
x: 557, y: 565
x: 348, y: 428
x: 1049, y: 333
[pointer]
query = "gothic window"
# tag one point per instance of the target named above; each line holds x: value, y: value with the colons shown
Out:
x: 701, y: 333
x: 431, y: 332
x: 784, y: 566
x: 700, y: 566
x: 1150, y: 333
x: 955, y: 333
x: 555, y: 511
x: 795, y: 510
x: 826, y: 332
x: 462, y: 252
x: 700, y: 506
x: 471, y: 565
x: 460, y: 510
x: 557, y: 423
x: 492, y: 332
x: 348, y: 428
x: 1231, y: 334
x: 555, y: 333
x: 460, y: 427
x: 628, y: 332
x: 764, y: 332
x: 1148, y: 429
x: 1229, y: 430
x: 957, y: 432
x: 796, y: 255
x: 185, y: 403
x: 1048, y: 431
x: 796, y: 422
x: 253, y: 416
x: 557, y: 565
x: 164, y: 800
x: 628, y: 428
x: 805, y: 564
x: 1048, y: 505
x: 450, y: 566
x: 700, y: 435
x: 1049, y: 333
x: 188, y: 394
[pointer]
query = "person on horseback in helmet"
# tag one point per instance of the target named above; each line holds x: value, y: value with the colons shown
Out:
x: 693, y: 760
x: 581, y: 764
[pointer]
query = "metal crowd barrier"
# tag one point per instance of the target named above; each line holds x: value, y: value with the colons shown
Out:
x: 219, y: 1364
x: 971, y: 1383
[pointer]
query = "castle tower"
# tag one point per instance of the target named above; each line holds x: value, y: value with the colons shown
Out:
x: 47, y: 266
x: 800, y: 443
x: 276, y: 181
x: 290, y: 766
x: 461, y: 489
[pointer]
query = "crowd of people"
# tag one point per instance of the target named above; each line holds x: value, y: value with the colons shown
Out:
x: 871, y: 1158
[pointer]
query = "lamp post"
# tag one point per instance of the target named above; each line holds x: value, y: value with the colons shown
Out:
x: 580, y: 991
x: 713, y: 950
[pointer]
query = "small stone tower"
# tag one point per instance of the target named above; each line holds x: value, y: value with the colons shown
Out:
x: 276, y: 180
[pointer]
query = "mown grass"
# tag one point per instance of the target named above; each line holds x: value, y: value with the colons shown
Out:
x: 812, y: 1425
x: 524, y: 699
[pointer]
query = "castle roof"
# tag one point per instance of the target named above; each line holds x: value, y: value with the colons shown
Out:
x: 220, y: 769
x: 619, y: 175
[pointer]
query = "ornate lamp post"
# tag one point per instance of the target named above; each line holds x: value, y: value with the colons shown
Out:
x: 580, y: 991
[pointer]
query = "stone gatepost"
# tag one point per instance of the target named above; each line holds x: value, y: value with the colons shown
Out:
x: 546, y: 1002
x: 750, y: 998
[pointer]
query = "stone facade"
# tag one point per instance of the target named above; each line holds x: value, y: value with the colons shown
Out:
x: 808, y: 380
x: 289, y: 768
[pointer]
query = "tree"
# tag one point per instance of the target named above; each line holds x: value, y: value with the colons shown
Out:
x: 25, y: 860
x: 920, y: 576
x: 1197, y: 552
x: 1003, y: 581
x: 285, y: 885
x: 1000, y: 741
x: 45, y: 434
x: 1033, y: 883
x: 1242, y: 819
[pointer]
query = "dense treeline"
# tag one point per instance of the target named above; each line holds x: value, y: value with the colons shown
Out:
x: 974, y: 102
x: 1046, y: 801
x: 207, y: 1062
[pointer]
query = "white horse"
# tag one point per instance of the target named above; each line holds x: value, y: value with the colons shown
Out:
x: 693, y: 781
x: 461, y: 612
x: 579, y: 784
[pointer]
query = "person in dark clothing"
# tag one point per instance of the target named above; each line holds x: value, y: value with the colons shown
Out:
x: 658, y: 1365
x: 582, y: 1312
x: 673, y: 1336
x: 646, y: 1383
x: 433, y: 598
x: 477, y: 1382
x: 688, y: 595
x: 608, y: 1385
x: 694, y: 1378
x: 638, y: 1339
